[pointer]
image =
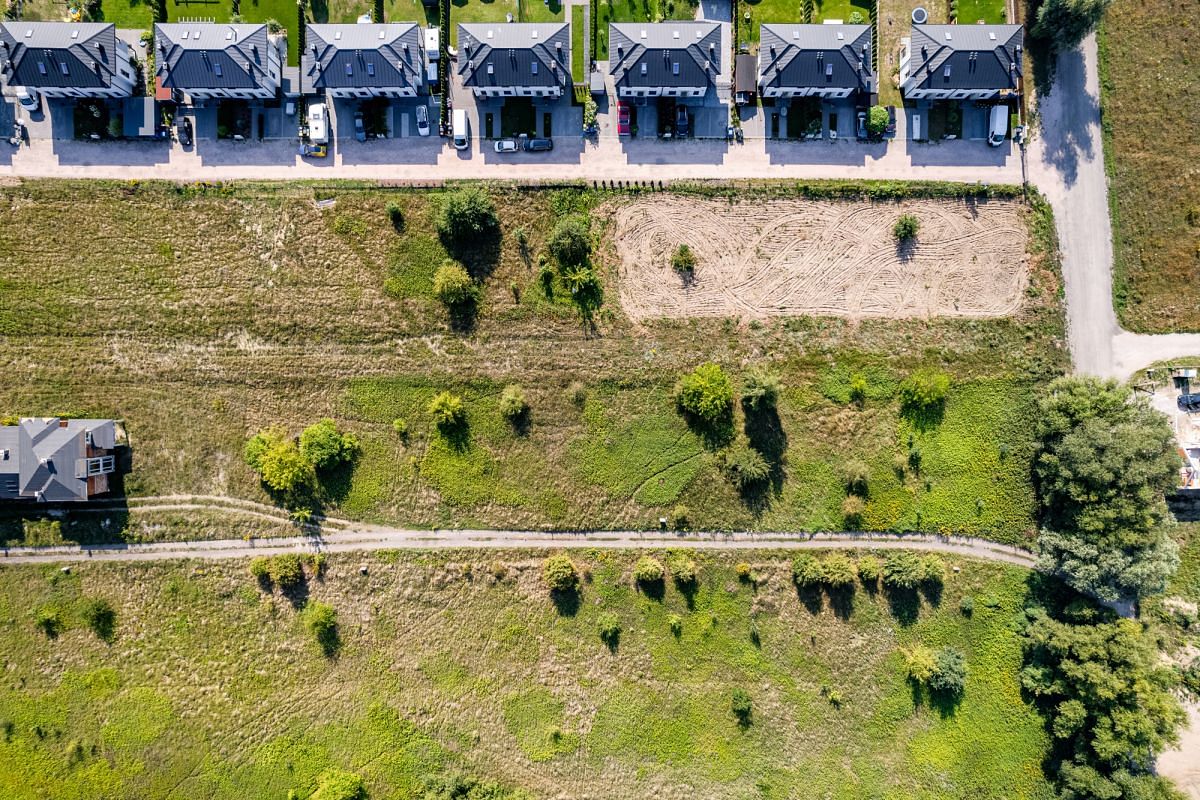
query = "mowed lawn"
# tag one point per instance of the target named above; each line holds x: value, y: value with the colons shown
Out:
x: 1150, y: 91
x: 636, y: 11
x: 202, y: 315
x: 790, y: 12
x: 456, y: 669
x: 465, y: 11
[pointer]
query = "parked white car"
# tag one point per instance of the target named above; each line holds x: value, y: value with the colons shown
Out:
x: 422, y: 121
x: 506, y: 146
x: 318, y: 123
x: 458, y: 127
x: 998, y: 125
x: 28, y: 99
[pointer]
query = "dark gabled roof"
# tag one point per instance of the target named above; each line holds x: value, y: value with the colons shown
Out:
x: 40, y: 455
x: 362, y: 56
x: 512, y: 51
x: 822, y: 56
x: 79, y: 55
x: 673, y: 53
x: 195, y: 55
x: 977, y: 56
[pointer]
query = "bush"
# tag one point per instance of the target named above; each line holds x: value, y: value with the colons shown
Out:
x: 966, y: 606
x: 869, y: 570
x: 466, y: 216
x: 324, y: 446
x: 922, y: 392
x: 838, y: 571
x: 648, y: 571
x: 577, y: 394
x: 321, y: 621
x: 903, y: 570
x: 337, y: 784
x: 49, y: 621
x: 933, y: 571
x: 950, y: 673
x: 920, y: 663
x: 706, y: 393
x: 681, y: 518
x: 855, y: 18
x: 683, y: 260
x: 560, y: 574
x: 100, y: 617
x: 747, y: 468
x: 570, y: 243
x: 512, y: 403
x: 447, y: 411
x: 453, y: 286
x: 877, y: 122
x: 278, y: 461
x: 760, y: 389
x: 906, y: 227
x: 807, y: 572
x: 675, y: 622
x: 855, y: 475
x: 853, y: 509
x: 286, y: 570
x: 396, y: 216
x: 858, y: 389
x: 609, y: 628
x: 683, y: 570
x: 741, y: 705
x: 400, y: 426
x: 745, y: 572
x: 260, y: 567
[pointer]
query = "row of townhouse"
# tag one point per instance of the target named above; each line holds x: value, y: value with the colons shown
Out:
x: 201, y: 61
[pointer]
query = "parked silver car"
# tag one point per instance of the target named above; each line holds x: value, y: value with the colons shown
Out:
x: 506, y: 146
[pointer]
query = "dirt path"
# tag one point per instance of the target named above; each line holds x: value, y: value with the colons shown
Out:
x: 366, y: 538
x: 1182, y: 764
x: 799, y: 257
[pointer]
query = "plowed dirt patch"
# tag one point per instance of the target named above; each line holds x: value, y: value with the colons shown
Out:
x: 797, y: 257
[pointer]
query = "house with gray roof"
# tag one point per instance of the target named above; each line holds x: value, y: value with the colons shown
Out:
x: 51, y: 460
x: 205, y: 60
x: 831, y: 61
x: 376, y: 60
x: 515, y: 59
x: 66, y: 59
x: 961, y: 62
x: 664, y: 59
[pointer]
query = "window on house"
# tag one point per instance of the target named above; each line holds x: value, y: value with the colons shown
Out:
x: 217, y: 69
x: 371, y: 69
x: 675, y: 68
x: 534, y: 65
x: 62, y: 66
x: 41, y: 68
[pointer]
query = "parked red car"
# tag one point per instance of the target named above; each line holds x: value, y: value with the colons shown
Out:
x: 622, y: 119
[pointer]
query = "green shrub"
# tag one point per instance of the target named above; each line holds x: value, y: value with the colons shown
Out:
x: 869, y: 570
x: 924, y: 391
x: 287, y: 570
x: 570, y: 243
x: 853, y: 509
x: 680, y: 518
x: 99, y: 615
x: 321, y: 621
x: 855, y: 18
x: 325, y: 446
x: 512, y: 403
x: 278, y: 461
x: 609, y: 628
x: 465, y: 216
x: 906, y: 227
x: 933, y: 570
x: 760, y: 389
x: 260, y: 567
x: 746, y: 466
x: 855, y: 475
x: 838, y: 571
x: 683, y: 260
x: 396, y: 216
x: 683, y: 569
x: 858, y: 389
x: 920, y: 663
x: 745, y: 572
x: 966, y: 606
x: 560, y: 574
x: 903, y: 570
x: 675, y: 622
x: 337, y: 784
x: 49, y: 621
x: 400, y: 426
x: 950, y: 673
x: 453, y: 286
x: 648, y: 571
x: 877, y: 122
x: 807, y: 572
x: 741, y: 705
x: 448, y: 411
x: 577, y: 394
x: 706, y: 393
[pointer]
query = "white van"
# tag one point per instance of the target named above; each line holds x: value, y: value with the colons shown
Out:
x: 318, y: 123
x: 998, y: 125
x: 459, y: 129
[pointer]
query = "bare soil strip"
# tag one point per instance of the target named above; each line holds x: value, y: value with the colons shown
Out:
x: 829, y: 258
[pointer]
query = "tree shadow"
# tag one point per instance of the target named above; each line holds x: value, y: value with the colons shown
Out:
x: 924, y: 417
x: 522, y: 423
x: 811, y: 597
x: 612, y: 640
x: 745, y: 719
x: 655, y: 590
x: 688, y: 589
x: 333, y: 484
x: 463, y: 316
x: 765, y: 432
x: 330, y: 640
x: 932, y: 591
x: 456, y: 434
x: 296, y: 594
x: 479, y: 256
x: 715, y: 434
x: 906, y: 248
x: 945, y: 703
x: 904, y: 604
x: 841, y: 600
x: 566, y: 603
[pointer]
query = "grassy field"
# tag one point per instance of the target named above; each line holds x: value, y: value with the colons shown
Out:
x: 498, y: 10
x: 578, y: 67
x: 636, y: 11
x: 971, y: 12
x: 458, y: 666
x: 200, y: 316
x: 779, y: 11
x: 1149, y: 102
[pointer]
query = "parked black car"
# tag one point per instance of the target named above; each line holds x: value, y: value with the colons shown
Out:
x: 1189, y: 403
x: 538, y: 145
x: 183, y: 130
x: 682, y: 124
